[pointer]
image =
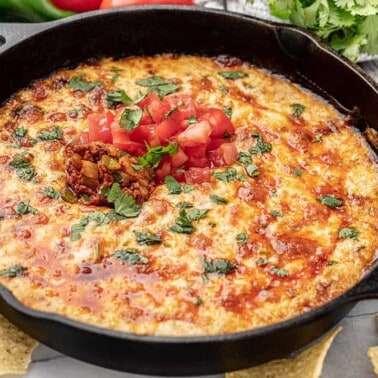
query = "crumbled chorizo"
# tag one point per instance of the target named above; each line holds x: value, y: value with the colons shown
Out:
x: 94, y: 166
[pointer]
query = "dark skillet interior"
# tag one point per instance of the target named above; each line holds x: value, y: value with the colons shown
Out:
x: 138, y: 31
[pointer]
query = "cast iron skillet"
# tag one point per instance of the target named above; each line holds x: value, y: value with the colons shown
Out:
x: 33, y: 51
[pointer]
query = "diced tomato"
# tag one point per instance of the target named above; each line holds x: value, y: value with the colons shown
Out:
x: 215, y: 144
x: 197, y: 152
x: 153, y: 96
x: 186, y: 107
x: 145, y: 133
x: 179, y: 158
x: 136, y: 149
x: 82, y: 138
x: 195, y: 135
x: 219, y: 122
x: 122, y: 3
x: 146, y: 118
x: 99, y: 127
x: 157, y: 109
x: 166, y: 129
x: 198, y: 162
x: 163, y: 171
x: 226, y: 154
x: 197, y: 175
x: 77, y: 5
x: 230, y: 153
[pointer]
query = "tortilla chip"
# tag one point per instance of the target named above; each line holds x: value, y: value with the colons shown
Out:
x: 308, y: 364
x: 15, y: 349
x: 373, y: 355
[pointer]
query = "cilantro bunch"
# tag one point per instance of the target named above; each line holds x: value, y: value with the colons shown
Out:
x: 348, y: 26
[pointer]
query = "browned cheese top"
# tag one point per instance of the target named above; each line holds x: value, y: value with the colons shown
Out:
x: 280, y: 243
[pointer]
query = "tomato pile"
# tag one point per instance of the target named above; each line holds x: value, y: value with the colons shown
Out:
x: 203, y: 135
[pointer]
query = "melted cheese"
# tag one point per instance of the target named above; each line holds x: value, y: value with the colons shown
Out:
x: 290, y: 263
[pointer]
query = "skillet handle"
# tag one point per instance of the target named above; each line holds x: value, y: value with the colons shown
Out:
x: 12, y: 33
x: 366, y: 289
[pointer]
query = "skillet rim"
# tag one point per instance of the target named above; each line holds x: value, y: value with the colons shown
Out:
x: 351, y: 295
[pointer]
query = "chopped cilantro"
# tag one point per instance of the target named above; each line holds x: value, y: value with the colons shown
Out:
x: 131, y: 118
x: 137, y: 167
x: 183, y: 225
x: 145, y: 238
x: 262, y: 261
x: 186, y: 188
x: 244, y: 157
x: 13, y: 271
x: 275, y: 213
x: 198, y: 301
x: 349, y: 233
x: 242, y: 238
x: 97, y: 217
x: 56, y: 133
x: 331, y: 262
x: 158, y: 84
x: 298, y: 109
x: 24, y: 208
x: 21, y: 160
x: 26, y: 174
x: 51, y: 193
x: 260, y: 147
x: 115, y: 74
x: 232, y: 75
x: 131, y: 255
x: 77, y: 83
x: 229, y: 174
x: 20, y: 132
x: 252, y: 170
x: 197, y: 214
x: 173, y: 186
x: 218, y: 266
x: 280, y: 272
x: 124, y: 204
x: 330, y: 200
x: 153, y: 155
x: 297, y: 171
x: 184, y: 205
x: 218, y: 200
x: 228, y: 111
x: 117, y: 96
x: 223, y: 89
x: 192, y: 120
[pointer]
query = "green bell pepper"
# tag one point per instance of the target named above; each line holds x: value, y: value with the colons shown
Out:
x: 30, y: 10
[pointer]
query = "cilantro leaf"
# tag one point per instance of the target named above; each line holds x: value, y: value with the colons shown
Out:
x: 183, y: 224
x: 197, y: 214
x: 158, y: 84
x: 349, y: 233
x: 242, y: 238
x: 232, y: 75
x: 153, y: 155
x: 280, y: 272
x: 173, y: 186
x: 24, y: 208
x: 131, y: 118
x: 79, y: 84
x: 131, y: 255
x: 252, y: 170
x: 146, y: 238
x: 20, y: 132
x: 260, y: 147
x: 228, y: 111
x: 298, y: 109
x: 13, y: 271
x: 330, y: 200
x: 217, y: 266
x: 218, y: 200
x: 124, y: 204
x: 117, y: 96
x: 51, y: 193
x: 56, y: 133
x: 229, y: 174
x: 244, y: 157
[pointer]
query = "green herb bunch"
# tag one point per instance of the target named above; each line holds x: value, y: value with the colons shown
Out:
x: 348, y: 26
